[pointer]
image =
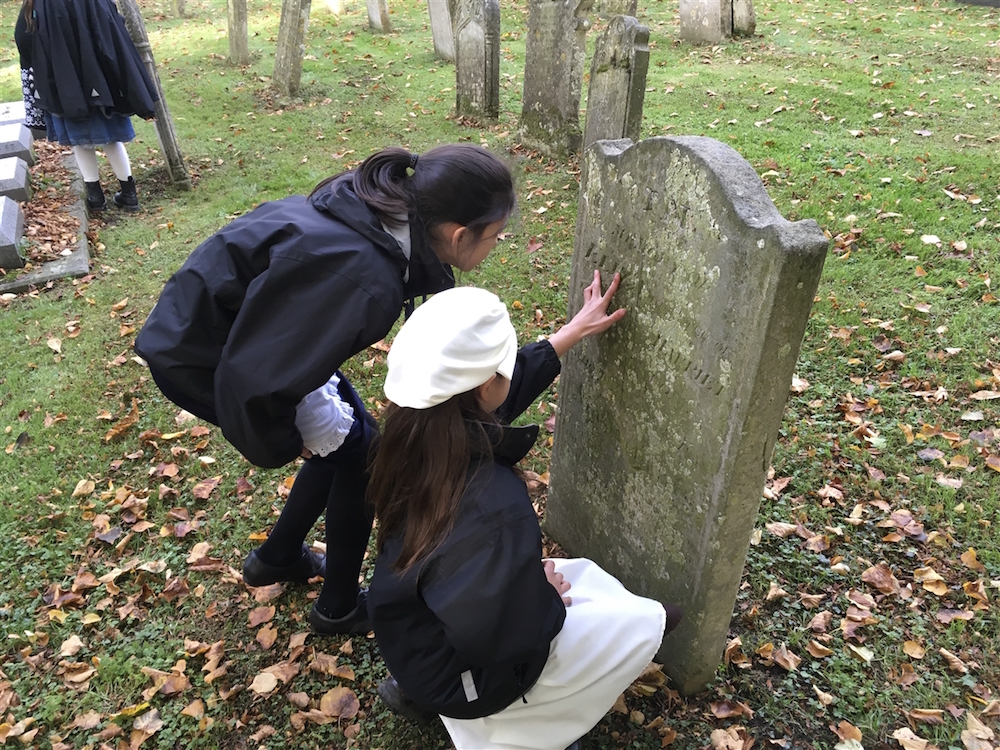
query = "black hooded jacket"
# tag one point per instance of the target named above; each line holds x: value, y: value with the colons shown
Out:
x: 270, y: 306
x: 466, y: 631
x: 84, y: 60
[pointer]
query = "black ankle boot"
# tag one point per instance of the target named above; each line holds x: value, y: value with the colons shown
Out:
x: 127, y: 198
x: 95, y: 196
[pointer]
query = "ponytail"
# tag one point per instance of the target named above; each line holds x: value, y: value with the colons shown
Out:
x: 458, y: 182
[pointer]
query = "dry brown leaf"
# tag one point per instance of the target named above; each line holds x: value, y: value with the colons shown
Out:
x: 913, y: 649
x: 881, y: 577
x: 264, y: 683
x: 824, y: 698
x: 727, y: 709
x: 820, y: 622
x: 266, y: 636
x: 781, y: 529
x: 195, y: 709
x: 817, y: 650
x: 341, y: 703
x: 775, y: 592
x: 907, y: 675
x: 847, y: 731
x: 954, y: 663
x: 260, y: 615
x: 299, y: 700
x: 969, y: 560
x: 926, y: 715
x: 786, y: 659
x: 731, y: 738
x: 283, y: 670
x: 124, y: 424
x: 909, y: 741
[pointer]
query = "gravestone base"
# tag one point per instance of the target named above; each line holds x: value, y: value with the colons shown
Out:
x: 12, y: 113
x: 667, y: 421
x: 378, y: 16
x: 14, y: 179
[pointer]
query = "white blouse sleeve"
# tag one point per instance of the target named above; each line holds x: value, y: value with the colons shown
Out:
x: 323, y: 419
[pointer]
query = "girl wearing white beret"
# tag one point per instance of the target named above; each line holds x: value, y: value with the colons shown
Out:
x: 512, y: 651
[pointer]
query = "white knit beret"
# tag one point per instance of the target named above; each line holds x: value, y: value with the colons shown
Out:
x: 452, y: 343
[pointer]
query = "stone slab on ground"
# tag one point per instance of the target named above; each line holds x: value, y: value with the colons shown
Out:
x: 667, y: 421
x: 14, y: 178
x: 74, y: 265
x: 17, y: 140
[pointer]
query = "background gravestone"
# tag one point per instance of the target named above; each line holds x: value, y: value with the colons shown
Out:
x: 291, y: 45
x: 666, y: 422
x: 477, y: 58
x: 442, y: 31
x: 12, y: 112
x: 553, y: 75
x: 617, y: 82
x: 612, y: 8
x: 239, y: 42
x: 378, y: 15
x: 16, y: 140
x: 708, y: 21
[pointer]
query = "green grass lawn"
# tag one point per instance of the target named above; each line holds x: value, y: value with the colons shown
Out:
x: 876, y: 561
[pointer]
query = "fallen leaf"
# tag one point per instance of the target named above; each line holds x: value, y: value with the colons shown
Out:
x: 340, y: 702
x: 954, y: 663
x: 264, y: 683
x: 913, y: 649
x: 926, y: 715
x: 909, y: 741
x: 825, y: 699
x: 786, y: 659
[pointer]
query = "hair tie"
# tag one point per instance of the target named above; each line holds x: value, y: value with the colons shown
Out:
x: 413, y: 161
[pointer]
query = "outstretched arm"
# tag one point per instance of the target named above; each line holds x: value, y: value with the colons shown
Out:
x: 592, y: 318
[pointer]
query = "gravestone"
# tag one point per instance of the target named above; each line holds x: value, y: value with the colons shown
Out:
x: 709, y: 21
x: 442, y: 31
x: 12, y: 113
x: 667, y: 421
x: 291, y: 45
x: 477, y: 58
x: 553, y: 75
x: 11, y: 228
x: 744, y: 18
x: 14, y: 179
x: 612, y: 8
x: 378, y: 16
x: 617, y: 82
x: 239, y: 41
x: 16, y: 140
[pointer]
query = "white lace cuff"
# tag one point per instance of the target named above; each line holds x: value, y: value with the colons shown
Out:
x: 323, y: 419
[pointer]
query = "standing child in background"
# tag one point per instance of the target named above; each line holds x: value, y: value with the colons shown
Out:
x: 250, y: 334
x: 89, y: 80
x: 514, y: 653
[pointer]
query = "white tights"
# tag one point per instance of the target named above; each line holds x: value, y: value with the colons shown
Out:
x: 117, y: 156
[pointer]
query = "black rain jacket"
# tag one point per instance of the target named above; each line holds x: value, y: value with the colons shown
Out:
x: 466, y: 631
x: 85, y: 61
x: 270, y: 306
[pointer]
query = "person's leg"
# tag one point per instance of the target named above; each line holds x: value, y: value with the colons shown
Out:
x: 305, y: 503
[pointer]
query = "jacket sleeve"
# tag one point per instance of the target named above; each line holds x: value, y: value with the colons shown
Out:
x: 536, y: 367
x: 492, y: 597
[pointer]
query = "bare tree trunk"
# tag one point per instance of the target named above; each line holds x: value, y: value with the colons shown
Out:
x: 239, y: 44
x: 291, y: 45
x: 176, y: 168
x: 178, y: 7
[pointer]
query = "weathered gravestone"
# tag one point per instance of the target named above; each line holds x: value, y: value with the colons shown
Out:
x: 239, y: 41
x: 667, y: 422
x: 553, y: 75
x: 11, y: 227
x: 617, y: 82
x: 291, y: 45
x: 714, y: 21
x: 442, y: 31
x: 378, y: 15
x: 477, y: 58
x: 14, y: 179
x: 611, y: 8
x: 16, y: 140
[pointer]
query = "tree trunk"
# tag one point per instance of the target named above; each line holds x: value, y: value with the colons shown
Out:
x: 239, y: 45
x: 176, y: 168
x: 291, y: 46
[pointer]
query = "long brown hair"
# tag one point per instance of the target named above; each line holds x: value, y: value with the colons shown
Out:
x: 28, y: 8
x: 419, y: 472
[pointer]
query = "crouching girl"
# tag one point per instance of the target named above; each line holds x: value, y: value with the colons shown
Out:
x: 512, y: 651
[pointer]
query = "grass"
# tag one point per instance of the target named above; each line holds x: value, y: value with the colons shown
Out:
x: 878, y: 120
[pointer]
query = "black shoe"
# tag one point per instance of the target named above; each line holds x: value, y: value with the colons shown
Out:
x: 127, y: 197
x: 256, y: 572
x: 578, y: 745
x: 400, y: 703
x: 355, y: 622
x: 95, y: 196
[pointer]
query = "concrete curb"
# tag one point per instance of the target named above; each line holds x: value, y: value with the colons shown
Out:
x: 77, y: 263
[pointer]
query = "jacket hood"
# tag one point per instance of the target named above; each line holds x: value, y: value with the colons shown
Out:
x: 428, y: 275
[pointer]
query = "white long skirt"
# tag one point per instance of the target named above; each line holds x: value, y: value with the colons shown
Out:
x: 609, y: 637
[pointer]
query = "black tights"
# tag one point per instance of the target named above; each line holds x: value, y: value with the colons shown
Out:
x: 335, y: 483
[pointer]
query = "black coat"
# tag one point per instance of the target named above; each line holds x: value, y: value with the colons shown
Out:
x: 268, y: 308
x: 85, y: 61
x: 479, y: 603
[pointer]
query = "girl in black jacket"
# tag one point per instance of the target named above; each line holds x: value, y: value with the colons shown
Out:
x: 251, y: 332
x: 513, y: 652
